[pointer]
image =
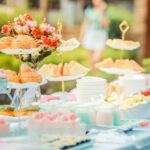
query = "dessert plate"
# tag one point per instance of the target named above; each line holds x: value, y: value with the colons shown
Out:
x: 122, y: 45
x: 65, y: 78
x: 19, y: 51
x: 69, y: 45
x: 14, y: 85
x: 14, y: 119
x: 118, y: 71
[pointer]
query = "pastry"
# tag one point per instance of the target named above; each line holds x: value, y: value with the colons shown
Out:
x: 6, y: 110
x: 27, y: 74
x: 77, y: 69
x: 136, y: 66
x: 120, y: 64
x: 30, y: 77
x: 107, y: 63
x: 5, y: 42
x: 12, y: 76
x: 122, y: 44
x: 24, y: 42
x: 68, y: 69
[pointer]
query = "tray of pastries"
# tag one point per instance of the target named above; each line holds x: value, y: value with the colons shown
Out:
x: 9, y: 113
x: 27, y: 77
x: 122, y: 44
x: 63, y: 72
x: 120, y: 66
x: 21, y: 44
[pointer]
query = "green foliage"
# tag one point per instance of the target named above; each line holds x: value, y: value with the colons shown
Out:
x: 146, y: 64
x: 118, y: 13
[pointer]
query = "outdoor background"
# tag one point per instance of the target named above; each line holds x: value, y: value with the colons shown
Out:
x: 135, y: 12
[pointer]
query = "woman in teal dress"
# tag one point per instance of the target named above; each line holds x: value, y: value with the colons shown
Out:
x: 94, y: 30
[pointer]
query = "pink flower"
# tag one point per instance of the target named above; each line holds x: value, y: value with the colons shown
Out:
x: 31, y: 24
x: 18, y: 29
x: 25, y: 29
x: 5, y: 29
x: 58, y: 37
x: 47, y: 28
x: 73, y: 117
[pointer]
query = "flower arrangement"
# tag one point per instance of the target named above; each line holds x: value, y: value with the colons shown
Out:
x: 48, y: 38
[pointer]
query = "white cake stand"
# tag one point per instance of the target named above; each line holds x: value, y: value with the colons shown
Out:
x: 19, y: 51
x: 118, y: 71
x: 64, y: 95
x: 65, y: 78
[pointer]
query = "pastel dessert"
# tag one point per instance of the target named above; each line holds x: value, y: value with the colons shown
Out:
x: 48, y: 98
x: 68, y: 69
x: 4, y: 127
x: 5, y: 42
x: 23, y: 42
x: 58, y: 123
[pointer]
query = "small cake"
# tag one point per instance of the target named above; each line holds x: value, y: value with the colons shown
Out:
x: 58, y: 123
x: 23, y: 42
x: 5, y: 42
x: 4, y: 127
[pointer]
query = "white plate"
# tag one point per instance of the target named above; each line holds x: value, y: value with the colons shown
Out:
x: 19, y: 51
x: 15, y: 119
x: 122, y: 46
x: 14, y: 85
x: 65, y: 78
x: 69, y: 45
x: 118, y: 71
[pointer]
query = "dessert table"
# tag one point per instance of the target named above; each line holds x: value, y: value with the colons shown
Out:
x: 136, y: 139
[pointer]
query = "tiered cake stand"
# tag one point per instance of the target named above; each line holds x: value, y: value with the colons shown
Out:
x: 124, y: 27
x: 18, y: 98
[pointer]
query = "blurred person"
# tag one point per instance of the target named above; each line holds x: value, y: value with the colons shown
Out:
x: 94, y: 30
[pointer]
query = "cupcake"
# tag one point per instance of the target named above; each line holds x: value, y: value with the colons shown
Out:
x: 5, y: 42
x: 23, y: 42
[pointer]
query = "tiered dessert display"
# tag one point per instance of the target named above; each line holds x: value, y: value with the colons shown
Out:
x: 131, y: 83
x: 30, y: 43
x: 64, y: 71
x: 122, y: 66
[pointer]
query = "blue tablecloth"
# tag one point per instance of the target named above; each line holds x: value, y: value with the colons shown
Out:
x: 136, y: 139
